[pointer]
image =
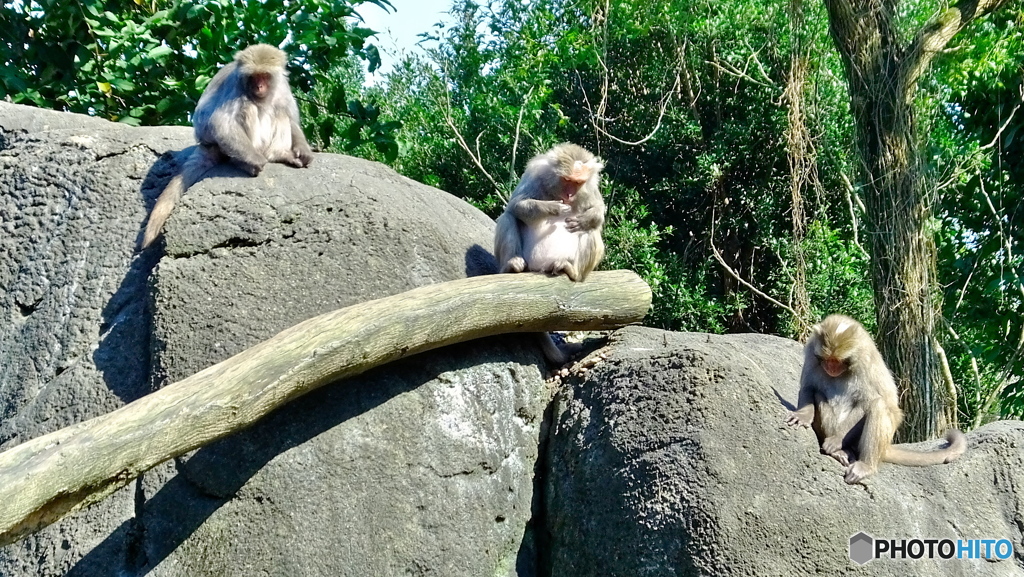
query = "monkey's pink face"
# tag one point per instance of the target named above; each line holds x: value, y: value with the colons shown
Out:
x: 259, y: 85
x: 833, y: 367
x: 570, y: 188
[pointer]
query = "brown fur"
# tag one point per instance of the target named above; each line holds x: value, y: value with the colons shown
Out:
x: 248, y: 116
x: 553, y: 221
x: 856, y: 412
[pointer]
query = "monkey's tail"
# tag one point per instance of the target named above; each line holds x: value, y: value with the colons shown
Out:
x: 900, y: 456
x: 552, y: 352
x: 197, y: 163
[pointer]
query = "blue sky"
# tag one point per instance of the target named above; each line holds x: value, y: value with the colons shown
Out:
x: 397, y: 31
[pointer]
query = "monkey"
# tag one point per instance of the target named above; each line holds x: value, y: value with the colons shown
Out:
x: 553, y: 220
x: 552, y: 223
x: 248, y: 116
x: 848, y: 396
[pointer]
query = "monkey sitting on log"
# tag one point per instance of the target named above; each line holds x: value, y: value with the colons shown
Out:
x: 247, y: 116
x: 553, y: 221
x: 848, y: 396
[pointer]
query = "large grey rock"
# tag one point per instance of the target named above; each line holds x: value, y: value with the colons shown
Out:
x: 421, y: 468
x: 424, y: 467
x: 248, y: 257
x: 74, y: 324
x: 416, y: 468
x: 671, y: 458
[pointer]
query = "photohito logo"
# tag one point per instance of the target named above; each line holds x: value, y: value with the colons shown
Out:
x: 864, y: 548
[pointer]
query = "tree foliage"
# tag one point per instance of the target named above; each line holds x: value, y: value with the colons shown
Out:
x: 147, y: 63
x: 686, y: 102
x: 977, y: 98
x: 681, y: 98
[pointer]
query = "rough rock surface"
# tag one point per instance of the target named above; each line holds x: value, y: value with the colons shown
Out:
x: 423, y: 467
x: 671, y: 458
x: 248, y: 257
x: 74, y: 324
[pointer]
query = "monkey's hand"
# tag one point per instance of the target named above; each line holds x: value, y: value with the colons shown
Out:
x: 857, y: 472
x: 801, y: 417
x: 555, y: 207
x: 587, y: 220
x: 303, y: 155
x: 573, y: 224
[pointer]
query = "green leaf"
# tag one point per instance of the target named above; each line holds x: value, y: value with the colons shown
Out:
x: 123, y: 84
x: 338, y: 98
x: 373, y: 58
x: 160, y: 52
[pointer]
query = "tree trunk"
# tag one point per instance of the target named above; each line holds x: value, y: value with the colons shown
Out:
x: 882, y: 73
x: 803, y: 167
x: 43, y: 479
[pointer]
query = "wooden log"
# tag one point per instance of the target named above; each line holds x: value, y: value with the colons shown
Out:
x: 43, y: 479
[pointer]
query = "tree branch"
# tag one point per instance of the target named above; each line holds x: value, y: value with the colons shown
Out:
x: 46, y: 477
x: 449, y: 119
x: 936, y: 33
x: 804, y: 325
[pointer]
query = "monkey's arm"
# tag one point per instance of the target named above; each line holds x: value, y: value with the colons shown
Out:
x: 234, y: 141
x: 875, y: 439
x: 530, y: 209
x: 299, y: 144
x: 588, y: 219
x: 300, y: 148
x: 804, y: 413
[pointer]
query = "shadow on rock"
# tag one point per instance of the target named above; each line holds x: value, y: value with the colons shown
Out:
x: 479, y: 262
x: 123, y: 353
x: 211, y: 476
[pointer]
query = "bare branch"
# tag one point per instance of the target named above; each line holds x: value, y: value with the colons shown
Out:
x: 936, y: 33
x: 731, y: 70
x: 661, y: 115
x: 446, y: 109
x: 851, y: 193
x: 804, y: 325
x: 43, y: 479
x: 515, y: 141
x: 999, y: 133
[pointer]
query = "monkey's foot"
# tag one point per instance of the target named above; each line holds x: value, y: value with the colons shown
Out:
x: 566, y: 268
x: 305, y: 156
x: 252, y: 168
x: 514, y: 264
x: 832, y: 445
x: 552, y: 352
x: 857, y: 472
x: 844, y: 457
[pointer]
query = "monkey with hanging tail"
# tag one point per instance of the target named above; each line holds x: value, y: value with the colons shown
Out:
x: 247, y: 116
x: 849, y: 398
